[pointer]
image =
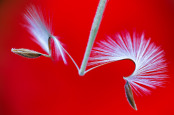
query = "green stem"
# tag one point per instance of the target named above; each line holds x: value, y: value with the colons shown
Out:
x: 93, y: 33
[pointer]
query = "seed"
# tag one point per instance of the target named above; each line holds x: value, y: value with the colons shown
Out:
x: 27, y: 53
x: 129, y: 95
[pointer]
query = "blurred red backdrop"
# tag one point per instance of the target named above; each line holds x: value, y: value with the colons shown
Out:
x: 42, y: 87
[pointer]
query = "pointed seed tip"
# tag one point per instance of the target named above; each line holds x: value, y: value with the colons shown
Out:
x: 12, y: 49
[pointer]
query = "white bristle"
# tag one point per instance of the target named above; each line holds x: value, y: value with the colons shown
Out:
x: 37, y: 27
x: 59, y: 49
x: 41, y: 31
x: 150, y: 66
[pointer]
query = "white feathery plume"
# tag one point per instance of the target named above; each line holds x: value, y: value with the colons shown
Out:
x: 41, y: 31
x: 150, y: 66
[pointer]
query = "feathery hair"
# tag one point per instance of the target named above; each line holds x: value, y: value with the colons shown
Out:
x: 41, y: 31
x: 150, y: 66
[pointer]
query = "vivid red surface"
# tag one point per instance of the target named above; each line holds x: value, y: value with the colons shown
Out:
x: 42, y: 87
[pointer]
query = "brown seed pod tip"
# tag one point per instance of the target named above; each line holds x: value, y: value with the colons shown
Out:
x: 13, y: 50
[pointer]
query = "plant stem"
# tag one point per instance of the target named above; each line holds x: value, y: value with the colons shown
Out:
x: 93, y: 33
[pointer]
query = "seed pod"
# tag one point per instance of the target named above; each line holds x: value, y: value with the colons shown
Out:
x: 27, y: 53
x: 129, y: 95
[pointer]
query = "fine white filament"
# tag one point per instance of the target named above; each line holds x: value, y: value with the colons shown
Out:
x: 41, y: 31
x: 150, y: 66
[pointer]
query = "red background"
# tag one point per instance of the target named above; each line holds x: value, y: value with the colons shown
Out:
x: 42, y: 87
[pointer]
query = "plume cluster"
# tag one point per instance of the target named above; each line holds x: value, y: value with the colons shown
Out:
x: 42, y: 34
x: 150, y: 64
x: 148, y: 58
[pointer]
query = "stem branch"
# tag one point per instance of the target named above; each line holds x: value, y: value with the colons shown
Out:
x: 93, y: 33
